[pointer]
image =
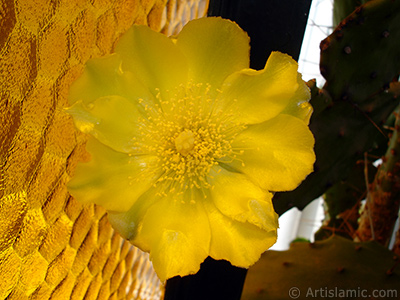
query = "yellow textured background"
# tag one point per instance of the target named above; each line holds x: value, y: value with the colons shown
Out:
x: 51, y: 247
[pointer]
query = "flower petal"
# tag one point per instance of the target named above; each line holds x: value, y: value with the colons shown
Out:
x: 129, y: 223
x: 176, y: 254
x: 277, y: 154
x: 261, y: 95
x: 104, y: 77
x: 98, y: 79
x: 240, y: 243
x: 113, y: 120
x: 153, y: 57
x: 174, y: 228
x: 111, y: 179
x: 215, y: 48
x: 299, y: 106
x: 240, y: 199
x: 178, y: 232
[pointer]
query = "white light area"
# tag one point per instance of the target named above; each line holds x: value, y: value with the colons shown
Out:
x: 299, y: 224
x: 295, y: 223
x: 319, y: 26
x: 396, y: 228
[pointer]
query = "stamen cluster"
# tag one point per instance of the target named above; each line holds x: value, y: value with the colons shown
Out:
x: 188, y: 134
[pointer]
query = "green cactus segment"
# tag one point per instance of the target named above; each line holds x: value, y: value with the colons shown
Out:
x: 320, y: 99
x: 344, y: 195
x: 359, y: 61
x: 332, y: 266
x: 362, y: 56
x: 343, y: 202
x: 343, y: 8
x: 343, y: 133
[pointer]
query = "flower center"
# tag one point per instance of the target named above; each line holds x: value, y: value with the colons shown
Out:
x: 184, y: 143
x: 189, y: 135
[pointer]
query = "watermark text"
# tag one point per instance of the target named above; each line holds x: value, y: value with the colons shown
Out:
x: 337, y: 293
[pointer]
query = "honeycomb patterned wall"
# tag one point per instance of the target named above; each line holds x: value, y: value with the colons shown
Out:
x: 51, y: 247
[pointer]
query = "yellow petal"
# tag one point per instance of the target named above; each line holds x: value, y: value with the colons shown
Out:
x: 112, y: 179
x: 98, y: 80
x: 299, y: 106
x: 240, y: 243
x: 176, y: 254
x: 178, y: 232
x: 214, y: 48
x: 173, y: 228
x: 257, y: 96
x: 153, y: 57
x: 129, y: 223
x: 277, y: 154
x: 104, y: 77
x: 240, y: 199
x: 113, y: 120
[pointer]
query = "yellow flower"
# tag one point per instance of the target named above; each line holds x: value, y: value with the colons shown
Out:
x: 188, y: 144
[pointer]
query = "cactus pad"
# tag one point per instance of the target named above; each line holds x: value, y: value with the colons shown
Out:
x: 333, y: 265
x: 361, y: 63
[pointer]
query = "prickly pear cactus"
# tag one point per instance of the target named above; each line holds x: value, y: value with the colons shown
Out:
x: 343, y: 202
x: 360, y: 58
x: 342, y: 8
x: 360, y: 61
x: 324, y: 270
